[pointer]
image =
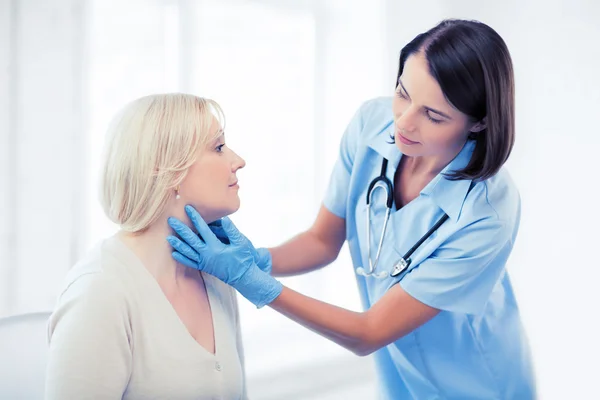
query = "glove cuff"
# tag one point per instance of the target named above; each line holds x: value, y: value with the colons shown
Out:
x: 258, y: 287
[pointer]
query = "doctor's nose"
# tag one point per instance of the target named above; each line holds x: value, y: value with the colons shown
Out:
x: 401, y: 126
x: 406, y: 121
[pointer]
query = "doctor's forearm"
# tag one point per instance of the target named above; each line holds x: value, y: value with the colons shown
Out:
x: 347, y: 328
x: 315, y: 248
x: 303, y: 253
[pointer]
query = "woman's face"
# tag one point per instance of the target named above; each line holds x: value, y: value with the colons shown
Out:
x: 211, y: 185
x: 426, y: 125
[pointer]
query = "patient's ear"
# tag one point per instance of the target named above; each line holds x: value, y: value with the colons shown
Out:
x: 479, y: 126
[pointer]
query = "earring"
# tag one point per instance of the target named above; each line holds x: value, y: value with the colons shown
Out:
x: 177, y: 196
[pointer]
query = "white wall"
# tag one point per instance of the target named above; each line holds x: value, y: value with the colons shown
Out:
x: 554, y: 266
x: 41, y: 98
x: 6, y: 161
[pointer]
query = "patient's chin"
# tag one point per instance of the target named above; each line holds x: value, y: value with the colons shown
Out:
x: 235, y: 205
x: 224, y: 212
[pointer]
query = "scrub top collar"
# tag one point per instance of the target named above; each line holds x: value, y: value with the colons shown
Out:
x: 447, y: 194
x: 380, y: 142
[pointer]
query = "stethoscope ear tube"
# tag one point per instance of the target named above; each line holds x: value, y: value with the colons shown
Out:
x: 384, y: 183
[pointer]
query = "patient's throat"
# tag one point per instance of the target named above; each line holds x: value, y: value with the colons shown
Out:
x: 191, y: 302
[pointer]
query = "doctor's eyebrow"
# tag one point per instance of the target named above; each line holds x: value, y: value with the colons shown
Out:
x: 433, y: 110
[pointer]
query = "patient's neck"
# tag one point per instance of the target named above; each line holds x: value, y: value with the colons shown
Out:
x: 152, y: 248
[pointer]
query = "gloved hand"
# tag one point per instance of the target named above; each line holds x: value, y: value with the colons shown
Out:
x: 262, y: 256
x: 232, y: 263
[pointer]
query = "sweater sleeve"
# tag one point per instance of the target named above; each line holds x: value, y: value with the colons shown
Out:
x: 239, y: 342
x: 89, y: 341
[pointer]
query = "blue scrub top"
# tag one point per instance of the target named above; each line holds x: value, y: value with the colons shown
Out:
x: 475, y: 348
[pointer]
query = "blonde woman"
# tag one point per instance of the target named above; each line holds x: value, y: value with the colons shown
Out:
x: 131, y: 322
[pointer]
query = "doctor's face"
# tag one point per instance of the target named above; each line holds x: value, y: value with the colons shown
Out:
x: 425, y: 123
x: 211, y: 185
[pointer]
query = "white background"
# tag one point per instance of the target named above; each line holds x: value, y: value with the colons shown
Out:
x: 289, y: 75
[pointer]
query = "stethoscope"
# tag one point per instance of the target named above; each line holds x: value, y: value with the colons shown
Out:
x: 404, y: 262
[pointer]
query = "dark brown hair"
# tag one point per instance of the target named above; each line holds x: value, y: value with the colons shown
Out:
x: 473, y: 67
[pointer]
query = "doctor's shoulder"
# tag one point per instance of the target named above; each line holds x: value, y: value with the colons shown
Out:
x: 497, y: 198
x: 370, y: 119
x: 376, y: 115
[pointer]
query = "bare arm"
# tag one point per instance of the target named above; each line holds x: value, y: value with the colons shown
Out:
x: 393, y: 316
x: 312, y: 249
x: 459, y: 278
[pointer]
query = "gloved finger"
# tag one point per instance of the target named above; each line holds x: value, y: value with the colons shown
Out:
x: 183, y: 248
x: 181, y: 259
x: 186, y: 234
x: 201, y: 226
x: 231, y: 231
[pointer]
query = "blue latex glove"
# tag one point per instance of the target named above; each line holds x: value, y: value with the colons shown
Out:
x: 232, y: 263
x: 262, y: 256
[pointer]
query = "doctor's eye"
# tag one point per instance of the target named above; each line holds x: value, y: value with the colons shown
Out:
x: 219, y: 148
x: 400, y: 94
x: 434, y: 120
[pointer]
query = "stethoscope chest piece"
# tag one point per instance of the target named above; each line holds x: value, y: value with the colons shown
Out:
x: 400, y: 267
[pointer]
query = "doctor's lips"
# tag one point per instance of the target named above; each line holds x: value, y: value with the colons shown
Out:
x: 404, y: 139
x: 234, y: 184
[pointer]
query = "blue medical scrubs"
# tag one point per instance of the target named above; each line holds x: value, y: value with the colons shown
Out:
x: 475, y: 348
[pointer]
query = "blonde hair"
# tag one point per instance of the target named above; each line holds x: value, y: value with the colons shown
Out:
x: 150, y: 146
